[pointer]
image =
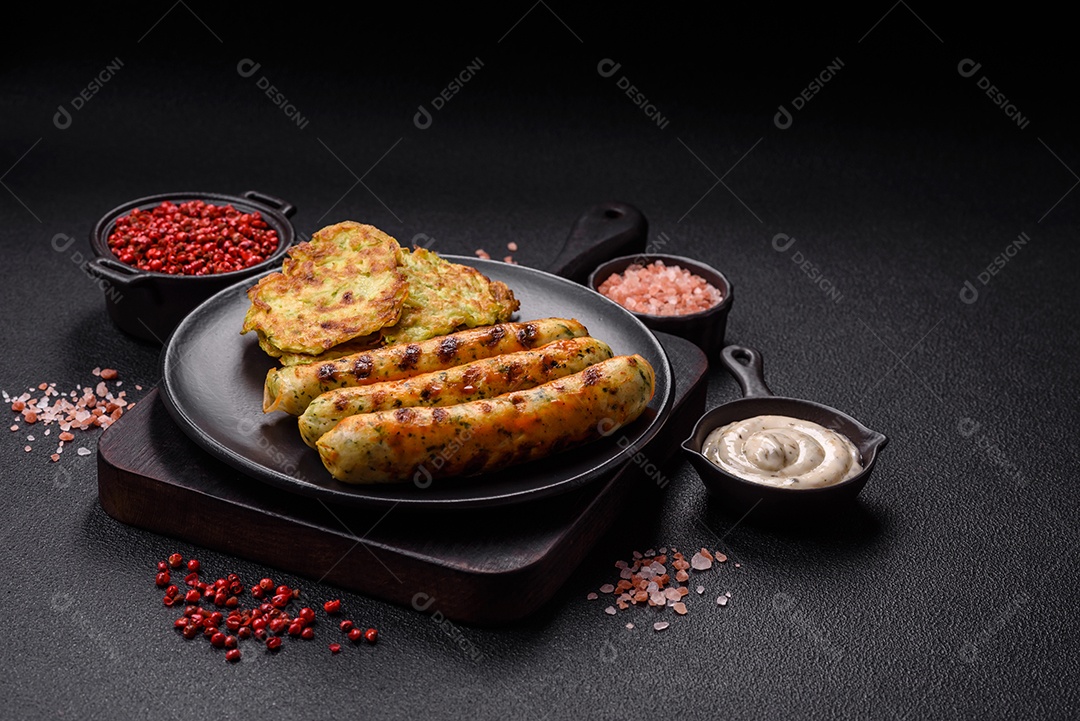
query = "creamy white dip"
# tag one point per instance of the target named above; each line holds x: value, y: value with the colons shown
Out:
x: 783, y: 452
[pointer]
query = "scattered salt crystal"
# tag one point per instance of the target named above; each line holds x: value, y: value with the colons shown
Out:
x: 138, y: 387
x: 27, y: 449
x: 592, y: 597
x: 610, y: 610
x: 625, y: 574
x: 54, y: 457
x: 96, y: 371
x: 663, y: 551
x: 653, y: 587
x: 680, y: 608
x: 720, y: 557
x: 722, y: 601
x: 512, y: 246
x: 650, y: 552
x: 672, y: 594
x: 657, y: 598
x: 83, y: 451
x: 738, y: 565
x: 14, y: 428
x: 607, y: 588
x: 30, y: 438
x: 629, y: 627
x: 660, y: 625
x: 700, y: 563
x: 728, y: 594
x: 700, y: 590
x: 637, y: 555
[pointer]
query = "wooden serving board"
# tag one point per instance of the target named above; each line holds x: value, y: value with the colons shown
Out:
x: 485, y: 566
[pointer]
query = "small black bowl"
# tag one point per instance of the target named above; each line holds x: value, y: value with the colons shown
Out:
x: 747, y: 367
x: 706, y: 328
x: 148, y: 304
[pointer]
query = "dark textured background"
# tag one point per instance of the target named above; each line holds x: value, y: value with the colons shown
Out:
x: 951, y: 591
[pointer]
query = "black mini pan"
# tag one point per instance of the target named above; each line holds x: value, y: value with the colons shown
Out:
x: 747, y: 367
x: 149, y: 305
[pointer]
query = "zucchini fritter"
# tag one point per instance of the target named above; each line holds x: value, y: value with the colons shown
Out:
x: 343, y: 284
x: 444, y: 297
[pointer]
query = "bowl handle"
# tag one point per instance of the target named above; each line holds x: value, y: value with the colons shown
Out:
x: 747, y: 366
x: 282, y: 206
x: 115, y: 272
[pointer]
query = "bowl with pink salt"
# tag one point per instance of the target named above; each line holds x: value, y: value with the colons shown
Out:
x: 670, y: 294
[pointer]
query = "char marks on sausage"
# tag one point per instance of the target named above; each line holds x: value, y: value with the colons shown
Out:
x: 497, y: 333
x: 527, y: 335
x: 447, y: 349
x: 410, y: 357
x: 362, y: 367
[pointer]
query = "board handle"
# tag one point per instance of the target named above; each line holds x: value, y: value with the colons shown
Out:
x: 604, y: 231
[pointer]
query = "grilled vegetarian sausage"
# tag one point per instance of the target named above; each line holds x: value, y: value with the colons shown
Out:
x: 292, y: 388
x: 417, y: 444
x: 484, y: 378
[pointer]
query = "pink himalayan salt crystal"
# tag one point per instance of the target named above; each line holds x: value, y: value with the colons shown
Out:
x: 657, y: 289
x: 700, y: 563
x: 607, y: 588
x: 592, y: 597
x: 610, y: 610
x: 660, y: 625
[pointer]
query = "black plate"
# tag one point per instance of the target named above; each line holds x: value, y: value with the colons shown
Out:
x: 212, y: 381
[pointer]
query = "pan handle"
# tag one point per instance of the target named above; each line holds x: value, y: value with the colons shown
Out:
x: 604, y: 231
x: 115, y: 272
x: 748, y: 367
x: 282, y: 206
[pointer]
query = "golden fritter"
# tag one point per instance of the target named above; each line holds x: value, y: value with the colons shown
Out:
x: 344, y: 284
x: 444, y: 297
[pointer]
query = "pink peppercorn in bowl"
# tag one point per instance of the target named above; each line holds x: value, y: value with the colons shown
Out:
x: 160, y: 256
x: 678, y: 283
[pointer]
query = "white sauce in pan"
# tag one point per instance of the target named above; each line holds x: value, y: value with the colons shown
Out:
x: 783, y: 452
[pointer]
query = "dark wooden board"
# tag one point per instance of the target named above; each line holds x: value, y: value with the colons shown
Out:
x: 485, y: 566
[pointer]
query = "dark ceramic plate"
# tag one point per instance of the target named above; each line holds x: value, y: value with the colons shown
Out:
x: 212, y: 381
